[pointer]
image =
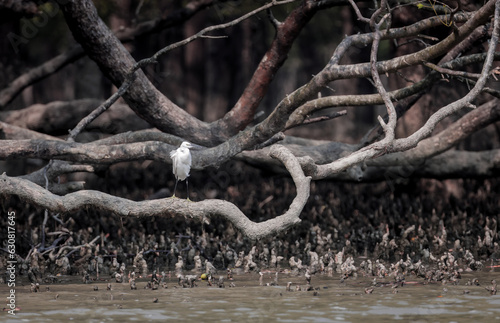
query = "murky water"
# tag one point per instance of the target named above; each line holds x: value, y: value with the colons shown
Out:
x: 249, y: 302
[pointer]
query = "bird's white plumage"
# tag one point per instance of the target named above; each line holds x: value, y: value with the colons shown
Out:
x: 181, y: 161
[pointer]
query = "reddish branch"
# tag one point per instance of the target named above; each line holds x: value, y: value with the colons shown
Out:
x: 104, y: 48
x: 286, y: 32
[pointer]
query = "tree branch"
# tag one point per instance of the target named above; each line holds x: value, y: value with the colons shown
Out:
x: 243, y: 112
x: 86, y: 153
x: 363, y: 69
x: 8, y: 131
x: 473, y: 121
x: 167, y: 20
x: 116, y: 63
x: 200, y: 211
x: 323, y: 171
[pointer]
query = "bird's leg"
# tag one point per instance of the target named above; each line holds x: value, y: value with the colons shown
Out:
x: 187, y: 190
x: 175, y: 187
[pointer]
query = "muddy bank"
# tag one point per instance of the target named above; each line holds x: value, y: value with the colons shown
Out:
x: 428, y: 228
x: 332, y: 300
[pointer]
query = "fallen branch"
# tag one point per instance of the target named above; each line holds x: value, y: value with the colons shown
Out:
x: 200, y: 211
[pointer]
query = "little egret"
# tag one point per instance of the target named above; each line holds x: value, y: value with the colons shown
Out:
x: 181, y: 164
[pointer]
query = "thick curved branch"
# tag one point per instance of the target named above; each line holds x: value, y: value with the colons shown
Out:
x: 116, y: 63
x: 200, y: 211
x: 86, y: 153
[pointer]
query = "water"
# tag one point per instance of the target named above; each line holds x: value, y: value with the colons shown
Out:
x: 249, y: 302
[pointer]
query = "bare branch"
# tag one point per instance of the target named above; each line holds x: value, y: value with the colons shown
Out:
x: 424, y: 160
x: 389, y: 127
x: 154, y: 107
x: 86, y: 153
x: 451, y: 72
x: 363, y: 69
x: 200, y: 211
x: 138, y: 136
x: 101, y: 108
x: 8, y: 131
x: 477, y: 34
x: 274, y: 139
x: 327, y: 117
x: 323, y: 171
x: 476, y: 119
x: 166, y: 20
x: 210, y: 29
x: 426, y: 130
x: 59, y: 116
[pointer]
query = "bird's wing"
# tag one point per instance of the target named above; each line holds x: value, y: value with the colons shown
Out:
x: 175, y: 162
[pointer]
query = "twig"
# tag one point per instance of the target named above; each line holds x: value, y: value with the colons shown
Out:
x: 214, y: 28
x: 318, y: 119
x: 271, y: 141
x: 390, y: 126
x: 103, y: 107
x: 276, y: 23
x: 443, y: 70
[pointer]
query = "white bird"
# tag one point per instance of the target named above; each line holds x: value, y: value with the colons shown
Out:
x: 181, y: 164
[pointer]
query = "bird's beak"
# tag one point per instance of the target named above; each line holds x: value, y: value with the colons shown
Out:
x: 196, y: 147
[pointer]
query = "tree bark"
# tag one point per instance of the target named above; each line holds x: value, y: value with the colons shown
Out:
x: 200, y: 211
